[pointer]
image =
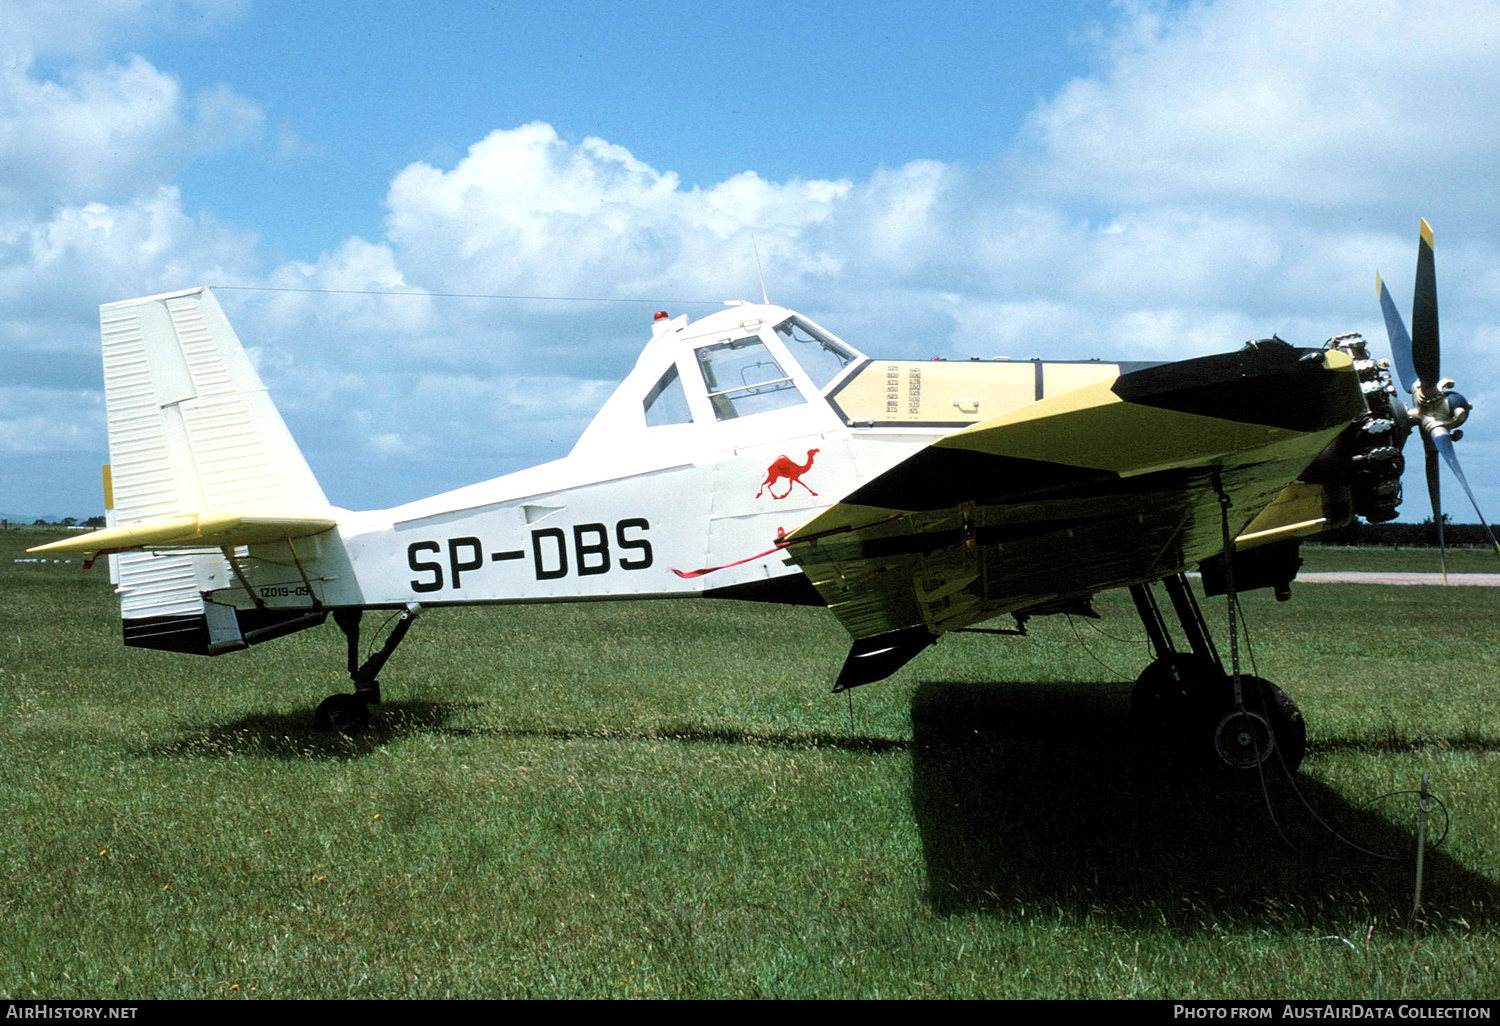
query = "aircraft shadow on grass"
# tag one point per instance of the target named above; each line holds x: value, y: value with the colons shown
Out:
x: 1035, y: 797
x: 290, y: 735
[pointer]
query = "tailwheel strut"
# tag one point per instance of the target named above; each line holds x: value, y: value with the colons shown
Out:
x: 347, y: 713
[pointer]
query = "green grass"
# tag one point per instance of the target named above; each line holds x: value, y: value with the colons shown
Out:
x: 644, y: 799
x: 1397, y: 560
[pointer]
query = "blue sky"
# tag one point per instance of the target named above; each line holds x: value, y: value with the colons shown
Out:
x: 1143, y: 181
x: 352, y: 91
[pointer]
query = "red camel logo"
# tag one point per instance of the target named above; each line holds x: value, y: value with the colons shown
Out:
x: 785, y: 468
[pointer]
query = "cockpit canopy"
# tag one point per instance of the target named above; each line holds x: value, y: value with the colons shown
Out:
x: 743, y: 377
x: 733, y: 365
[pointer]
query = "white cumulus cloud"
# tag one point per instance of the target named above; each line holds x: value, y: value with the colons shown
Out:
x: 1331, y: 104
x: 527, y: 211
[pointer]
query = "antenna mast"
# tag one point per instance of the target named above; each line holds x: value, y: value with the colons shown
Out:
x: 763, y: 297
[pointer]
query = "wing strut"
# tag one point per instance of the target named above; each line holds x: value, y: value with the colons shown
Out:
x: 239, y: 573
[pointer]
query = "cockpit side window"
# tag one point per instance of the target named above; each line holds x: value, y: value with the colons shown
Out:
x: 667, y: 403
x: 743, y: 378
x: 822, y: 358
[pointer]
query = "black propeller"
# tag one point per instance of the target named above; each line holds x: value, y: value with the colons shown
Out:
x: 1439, y: 410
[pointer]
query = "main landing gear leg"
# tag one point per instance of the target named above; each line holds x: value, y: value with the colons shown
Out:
x: 1186, y: 699
x: 347, y: 713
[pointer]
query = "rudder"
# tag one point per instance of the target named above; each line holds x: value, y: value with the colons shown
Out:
x: 191, y: 429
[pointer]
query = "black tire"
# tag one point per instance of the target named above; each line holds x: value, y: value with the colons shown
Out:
x: 1270, y: 727
x: 1168, y: 692
x: 347, y: 714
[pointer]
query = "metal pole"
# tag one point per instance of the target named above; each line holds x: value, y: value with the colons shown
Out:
x: 1424, y: 806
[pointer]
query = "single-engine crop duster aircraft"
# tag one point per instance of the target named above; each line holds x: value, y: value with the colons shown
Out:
x: 753, y: 454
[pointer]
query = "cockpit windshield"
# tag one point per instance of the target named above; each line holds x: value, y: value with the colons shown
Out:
x: 820, y: 356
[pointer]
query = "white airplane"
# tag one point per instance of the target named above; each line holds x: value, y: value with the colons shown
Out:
x: 753, y: 454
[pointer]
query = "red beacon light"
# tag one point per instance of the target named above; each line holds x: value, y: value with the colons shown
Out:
x: 661, y: 315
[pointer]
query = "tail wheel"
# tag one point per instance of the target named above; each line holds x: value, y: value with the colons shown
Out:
x: 345, y: 713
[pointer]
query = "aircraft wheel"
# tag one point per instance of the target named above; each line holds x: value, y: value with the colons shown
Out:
x: 1168, y: 690
x: 344, y: 713
x: 1270, y: 726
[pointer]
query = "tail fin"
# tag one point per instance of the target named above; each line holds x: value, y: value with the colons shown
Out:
x: 191, y: 427
x: 192, y: 433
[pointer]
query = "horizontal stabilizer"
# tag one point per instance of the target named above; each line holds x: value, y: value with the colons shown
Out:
x: 193, y: 530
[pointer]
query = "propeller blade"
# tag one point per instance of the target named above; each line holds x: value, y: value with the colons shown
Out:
x: 1424, y: 313
x: 1444, y: 445
x: 1435, y: 493
x: 1395, y: 330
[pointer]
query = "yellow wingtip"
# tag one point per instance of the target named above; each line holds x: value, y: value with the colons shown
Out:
x: 1426, y: 232
x: 1379, y: 285
x: 194, y: 530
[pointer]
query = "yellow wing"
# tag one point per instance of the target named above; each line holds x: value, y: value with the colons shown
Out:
x: 1105, y: 486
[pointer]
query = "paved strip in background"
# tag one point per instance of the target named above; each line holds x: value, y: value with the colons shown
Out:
x: 1352, y: 577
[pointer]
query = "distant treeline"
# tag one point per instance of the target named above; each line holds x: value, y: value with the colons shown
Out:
x: 7, y: 523
x: 1398, y: 535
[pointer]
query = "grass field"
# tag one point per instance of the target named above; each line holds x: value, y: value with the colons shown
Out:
x: 1371, y: 559
x: 643, y: 799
